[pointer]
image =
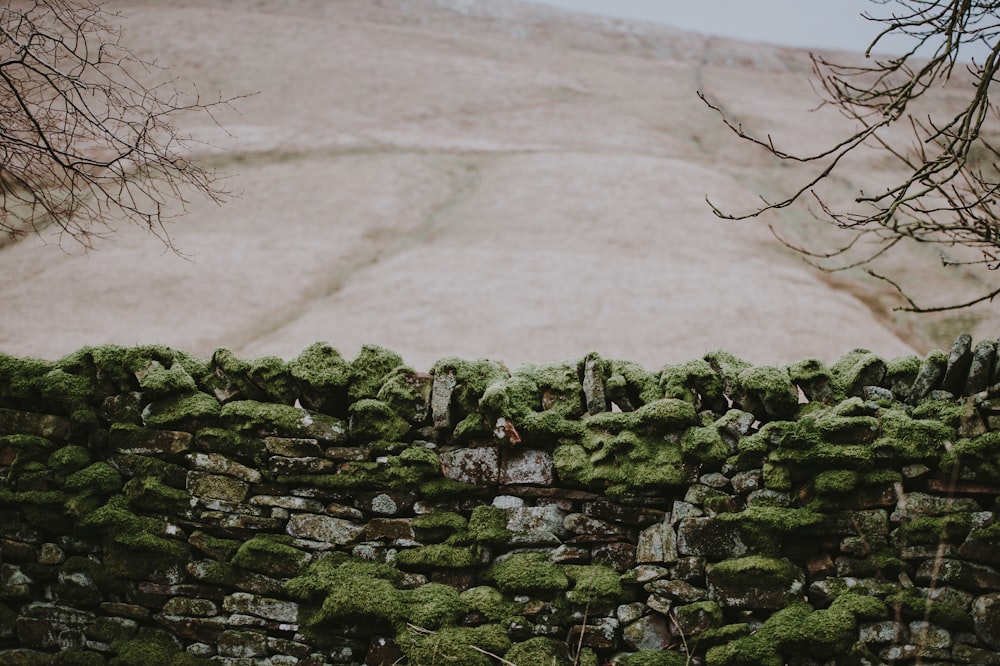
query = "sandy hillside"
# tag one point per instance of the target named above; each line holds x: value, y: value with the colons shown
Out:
x: 478, y: 179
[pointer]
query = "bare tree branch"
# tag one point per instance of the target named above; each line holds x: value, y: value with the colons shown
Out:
x: 84, y: 138
x: 947, y: 194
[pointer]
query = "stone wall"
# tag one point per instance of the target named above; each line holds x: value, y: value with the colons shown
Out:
x: 157, y: 508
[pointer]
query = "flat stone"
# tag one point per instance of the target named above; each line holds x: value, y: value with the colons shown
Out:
x: 915, y: 504
x: 885, y: 631
x: 219, y: 464
x: 190, y: 606
x: 324, y: 528
x: 709, y: 538
x: 348, y: 453
x: 566, y: 554
x: 389, y: 529
x: 579, y: 523
x: 479, y: 466
x: 929, y: 635
x: 149, y: 442
x: 651, y: 632
x: 217, y: 486
x: 601, y: 633
x: 292, y: 447
x: 619, y: 555
x: 527, y: 466
x: 264, y: 607
x: 242, y: 644
x: 947, y: 572
x: 657, y: 544
x: 677, y: 590
x: 289, y: 502
x: 14, y: 422
x: 986, y: 619
x: 632, y: 516
x: 536, y: 520
x: 301, y: 465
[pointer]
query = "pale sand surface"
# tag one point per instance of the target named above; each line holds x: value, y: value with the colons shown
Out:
x: 473, y: 179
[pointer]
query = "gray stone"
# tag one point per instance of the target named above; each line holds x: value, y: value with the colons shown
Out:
x: 929, y: 635
x: 885, y: 631
x: 618, y: 555
x: 565, y: 554
x: 600, y: 633
x: 50, y: 554
x: 629, y: 613
x: 929, y: 377
x: 242, y: 644
x: 263, y: 607
x: 967, y: 654
x: 301, y: 465
x: 217, y: 486
x: 583, y: 525
x: 745, y: 483
x: 219, y: 464
x: 657, y: 544
x: 480, y: 466
x: 647, y: 572
x: 709, y: 538
x: 986, y: 619
x: 441, y: 390
x: 190, y: 607
x: 947, y: 572
x: 677, y: 590
x: 527, y: 466
x: 324, y: 528
x: 593, y: 385
x: 684, y: 510
x: 983, y: 358
x: 289, y: 502
x: 715, y: 480
x: 537, y: 519
x: 956, y: 372
x: 913, y: 505
x: 651, y: 632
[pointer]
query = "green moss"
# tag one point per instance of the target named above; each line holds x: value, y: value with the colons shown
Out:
x: 441, y: 488
x: 488, y: 525
x: 657, y: 658
x: 323, y: 377
x: 99, y: 478
x: 835, y: 482
x: 370, y: 369
x: 68, y: 459
x: 407, y: 393
x: 348, y: 590
x: 539, y: 651
x: 529, y: 572
x: 471, y: 427
x: 438, y: 556
x: 704, y: 445
x: 773, y: 388
x: 159, y: 380
x: 133, y: 547
x: 490, y: 602
x: 665, y: 416
x: 78, y: 658
x: 149, y: 494
x: 764, y: 572
x: 184, y: 411
x: 573, y: 465
x: 433, y: 606
x: 372, y: 420
x: 695, y: 381
x: 437, y: 525
x: 252, y: 417
x: 214, y: 547
x: 857, y: 369
x: 593, y: 584
x: 453, y: 645
x: 272, y: 377
x: 152, y: 647
x: 272, y: 555
x: 472, y: 379
x: 929, y: 530
x: 912, y: 606
x: 232, y: 444
x: 912, y: 440
x: 900, y: 373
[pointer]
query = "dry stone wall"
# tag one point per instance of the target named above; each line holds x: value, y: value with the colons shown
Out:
x: 157, y: 508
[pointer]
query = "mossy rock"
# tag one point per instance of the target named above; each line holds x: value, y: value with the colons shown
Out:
x: 472, y: 379
x: 657, y: 658
x: 488, y: 525
x: 911, y: 605
x: 767, y: 392
x: 438, y: 556
x: 755, y: 582
x: 271, y: 555
x: 433, y: 606
x: 665, y: 416
x: 149, y: 494
x: 695, y: 382
x: 857, y: 369
x: 593, y: 584
x: 323, y: 377
x: 152, y: 647
x: 372, y: 420
x: 265, y: 378
x: 68, y: 459
x: 408, y: 394
x: 438, y: 525
x: 630, y: 386
x: 184, y: 411
x: 348, y: 589
x: 370, y: 370
x: 704, y: 447
x: 457, y: 646
x: 263, y: 419
x: 78, y: 658
x: 529, y: 573
x: 911, y: 440
x: 490, y: 602
x: 539, y: 651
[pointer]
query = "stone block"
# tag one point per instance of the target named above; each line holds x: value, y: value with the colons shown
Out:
x: 324, y: 528
x: 480, y: 465
x: 527, y: 466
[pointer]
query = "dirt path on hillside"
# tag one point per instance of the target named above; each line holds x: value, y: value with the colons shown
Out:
x: 517, y: 185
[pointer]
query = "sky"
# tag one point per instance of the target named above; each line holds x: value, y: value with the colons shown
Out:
x: 833, y: 24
